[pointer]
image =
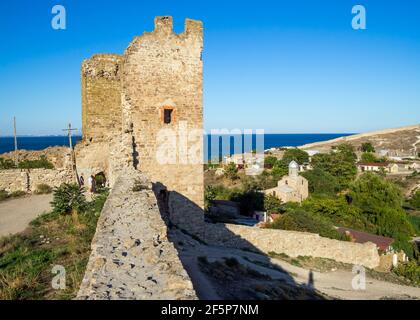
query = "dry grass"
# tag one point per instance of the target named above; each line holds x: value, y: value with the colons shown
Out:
x: 27, y: 259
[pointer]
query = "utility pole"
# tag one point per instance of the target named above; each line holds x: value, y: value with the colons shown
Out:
x: 16, y: 146
x: 73, y: 158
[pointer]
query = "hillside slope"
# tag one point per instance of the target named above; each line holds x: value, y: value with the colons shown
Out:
x: 402, y: 141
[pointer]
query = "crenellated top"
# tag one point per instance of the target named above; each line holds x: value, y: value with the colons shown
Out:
x: 164, y: 25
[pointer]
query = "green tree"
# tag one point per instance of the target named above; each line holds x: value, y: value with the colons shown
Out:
x: 367, y: 147
x: 371, y: 191
x: 321, y: 182
x: 347, y: 151
x: 270, y: 161
x: 295, y: 154
x: 369, y: 157
x: 231, y: 172
x: 272, y: 204
x: 339, y: 212
x: 381, y: 202
x: 280, y: 169
x: 340, y: 163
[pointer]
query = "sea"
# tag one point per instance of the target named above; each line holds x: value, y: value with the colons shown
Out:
x: 270, y: 141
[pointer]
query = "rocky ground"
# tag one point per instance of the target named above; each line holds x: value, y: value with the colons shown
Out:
x: 224, y: 273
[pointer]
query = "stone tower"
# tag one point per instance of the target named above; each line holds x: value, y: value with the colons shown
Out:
x: 162, y: 103
x: 293, y: 169
x: 145, y: 109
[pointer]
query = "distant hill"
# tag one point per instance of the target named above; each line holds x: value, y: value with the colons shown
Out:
x: 402, y: 141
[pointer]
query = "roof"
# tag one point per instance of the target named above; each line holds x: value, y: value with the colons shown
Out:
x: 373, y: 164
x: 293, y: 164
x: 286, y: 189
x: 362, y: 237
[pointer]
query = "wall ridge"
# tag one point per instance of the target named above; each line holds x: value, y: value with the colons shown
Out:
x: 131, y: 256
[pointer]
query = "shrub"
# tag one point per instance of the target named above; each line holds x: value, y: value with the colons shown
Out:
x: 17, y: 194
x: 300, y: 220
x: 41, y: 163
x: 3, y: 195
x: 231, y: 172
x: 409, y: 270
x: 272, y: 204
x: 43, y: 189
x: 415, y: 200
x: 7, y: 164
x: 270, y: 161
x: 68, y: 198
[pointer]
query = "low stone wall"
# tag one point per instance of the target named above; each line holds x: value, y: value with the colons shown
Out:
x: 189, y: 217
x: 292, y: 243
x: 14, y: 180
x: 27, y: 180
x: 132, y: 257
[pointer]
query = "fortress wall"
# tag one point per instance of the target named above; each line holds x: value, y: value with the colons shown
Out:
x: 132, y: 257
x: 101, y: 97
x: 292, y: 243
x: 164, y: 69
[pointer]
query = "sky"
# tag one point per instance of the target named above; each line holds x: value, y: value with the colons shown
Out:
x: 282, y: 66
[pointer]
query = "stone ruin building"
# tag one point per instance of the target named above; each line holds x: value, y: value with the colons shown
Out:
x: 148, y: 99
x: 292, y: 187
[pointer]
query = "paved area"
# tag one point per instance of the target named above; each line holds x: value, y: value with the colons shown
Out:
x: 15, y: 214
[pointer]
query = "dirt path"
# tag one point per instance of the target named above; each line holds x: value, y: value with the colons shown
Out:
x: 16, y: 214
x: 335, y: 284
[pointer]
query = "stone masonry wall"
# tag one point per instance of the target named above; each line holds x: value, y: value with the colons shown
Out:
x: 28, y: 180
x: 132, y: 257
x: 101, y: 97
x: 187, y: 216
x: 164, y: 70
x: 292, y: 243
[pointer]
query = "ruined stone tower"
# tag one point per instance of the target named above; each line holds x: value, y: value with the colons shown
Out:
x: 144, y: 109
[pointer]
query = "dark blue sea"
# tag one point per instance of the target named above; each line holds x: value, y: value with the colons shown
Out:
x: 270, y: 141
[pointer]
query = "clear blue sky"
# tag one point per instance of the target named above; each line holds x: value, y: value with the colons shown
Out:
x: 284, y: 66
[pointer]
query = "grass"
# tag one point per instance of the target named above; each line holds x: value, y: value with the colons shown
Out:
x: 27, y: 259
x: 4, y: 195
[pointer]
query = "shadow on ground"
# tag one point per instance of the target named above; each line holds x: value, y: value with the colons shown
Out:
x: 237, y: 270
